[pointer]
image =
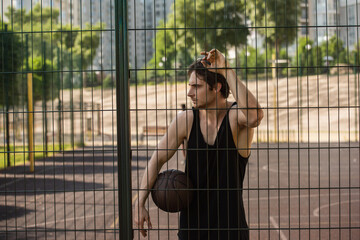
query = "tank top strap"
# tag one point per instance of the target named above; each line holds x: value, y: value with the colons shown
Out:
x: 196, y: 114
x: 233, y: 104
x: 193, y: 140
x: 196, y: 119
x: 227, y: 119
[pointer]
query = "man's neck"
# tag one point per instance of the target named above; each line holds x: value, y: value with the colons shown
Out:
x: 213, y: 111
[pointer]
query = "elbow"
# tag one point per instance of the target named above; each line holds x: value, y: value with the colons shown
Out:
x: 255, y: 120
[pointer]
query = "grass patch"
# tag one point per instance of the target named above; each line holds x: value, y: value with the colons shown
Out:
x: 19, y: 155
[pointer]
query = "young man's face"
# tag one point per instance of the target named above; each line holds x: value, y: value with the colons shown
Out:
x: 199, y: 92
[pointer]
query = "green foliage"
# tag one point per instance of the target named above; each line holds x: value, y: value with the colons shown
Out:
x: 76, y: 47
x: 354, y: 57
x: 108, y: 82
x: 250, y: 61
x: 334, y: 47
x: 10, y: 62
x: 81, y: 45
x: 19, y: 154
x: 39, y: 21
x: 193, y: 27
x: 308, y: 55
x: 44, y: 81
x: 210, y: 24
x: 280, y: 19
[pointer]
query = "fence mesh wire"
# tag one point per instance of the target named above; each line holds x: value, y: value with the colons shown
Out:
x: 299, y: 58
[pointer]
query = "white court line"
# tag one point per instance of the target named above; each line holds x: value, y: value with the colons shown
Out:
x: 317, y: 210
x: 274, y: 223
x: 298, y: 196
x: 267, y: 168
x: 67, y: 219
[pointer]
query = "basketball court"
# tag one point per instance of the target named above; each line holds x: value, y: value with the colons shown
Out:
x: 291, y: 191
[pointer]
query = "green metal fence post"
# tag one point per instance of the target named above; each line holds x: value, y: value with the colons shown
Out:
x: 7, y: 109
x: 44, y: 100
x: 59, y: 106
x: 123, y: 121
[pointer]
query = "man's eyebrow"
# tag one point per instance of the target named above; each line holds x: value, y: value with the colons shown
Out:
x: 194, y: 84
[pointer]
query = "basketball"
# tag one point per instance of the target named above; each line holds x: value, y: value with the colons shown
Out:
x: 171, y: 191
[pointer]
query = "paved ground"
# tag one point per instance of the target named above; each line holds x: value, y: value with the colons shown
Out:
x: 72, y: 195
x: 291, y: 191
x: 310, y: 109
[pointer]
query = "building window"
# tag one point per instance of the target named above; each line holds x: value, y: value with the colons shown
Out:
x: 351, y: 15
x: 304, y: 13
x: 351, y: 36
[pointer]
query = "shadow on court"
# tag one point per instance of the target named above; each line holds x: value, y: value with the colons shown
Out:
x: 70, y: 195
x: 291, y: 191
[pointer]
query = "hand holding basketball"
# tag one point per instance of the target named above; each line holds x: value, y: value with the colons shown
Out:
x: 172, y: 191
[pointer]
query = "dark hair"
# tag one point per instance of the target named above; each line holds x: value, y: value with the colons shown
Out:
x: 210, y: 78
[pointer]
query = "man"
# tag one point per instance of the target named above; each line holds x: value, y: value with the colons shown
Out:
x: 219, y: 135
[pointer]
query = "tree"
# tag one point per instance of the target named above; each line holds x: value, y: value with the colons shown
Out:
x: 334, y: 47
x: 78, y: 46
x: 308, y: 57
x: 196, y: 26
x: 10, y: 62
x: 277, y: 20
x: 251, y: 61
x: 82, y: 45
x: 38, y: 21
x: 355, y: 57
x: 43, y: 79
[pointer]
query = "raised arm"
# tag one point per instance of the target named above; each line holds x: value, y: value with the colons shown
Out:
x: 250, y: 112
x: 166, y: 148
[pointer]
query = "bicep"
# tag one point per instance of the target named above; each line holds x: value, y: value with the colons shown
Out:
x: 238, y: 115
x: 247, y: 117
x: 245, y: 137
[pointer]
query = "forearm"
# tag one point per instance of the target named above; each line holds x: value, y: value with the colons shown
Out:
x: 165, y: 150
x: 246, y: 101
x: 158, y: 159
x: 149, y: 177
x: 242, y: 95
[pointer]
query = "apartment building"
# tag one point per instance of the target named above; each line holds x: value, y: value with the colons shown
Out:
x: 324, y: 19
x: 349, y: 21
x: 143, y: 17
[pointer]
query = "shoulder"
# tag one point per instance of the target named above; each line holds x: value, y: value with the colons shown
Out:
x: 183, y: 120
x: 234, y: 111
x: 185, y: 116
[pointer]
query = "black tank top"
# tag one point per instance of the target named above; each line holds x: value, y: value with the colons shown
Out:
x: 217, y: 173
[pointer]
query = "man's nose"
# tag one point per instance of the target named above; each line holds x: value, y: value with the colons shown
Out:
x: 190, y: 93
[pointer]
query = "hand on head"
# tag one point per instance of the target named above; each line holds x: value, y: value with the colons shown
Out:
x: 215, y: 61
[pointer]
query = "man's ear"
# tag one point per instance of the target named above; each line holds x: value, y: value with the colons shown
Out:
x: 218, y: 87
